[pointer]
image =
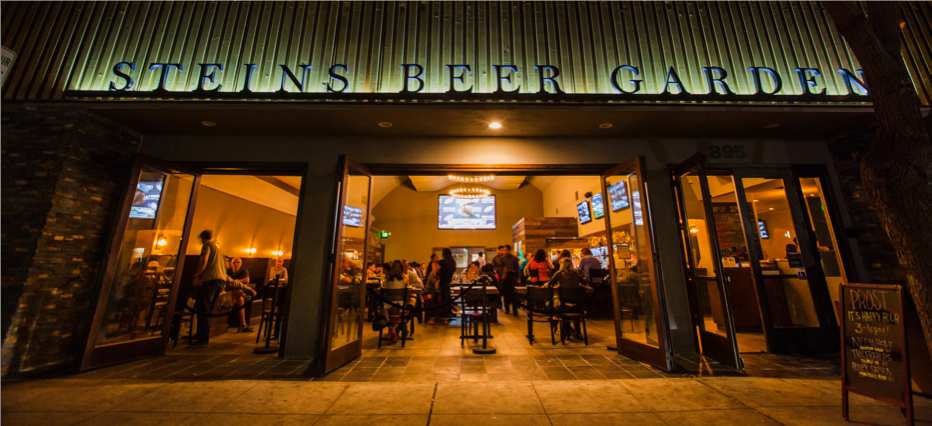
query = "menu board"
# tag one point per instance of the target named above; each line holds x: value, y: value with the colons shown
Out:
x: 730, y: 231
x: 874, y: 357
x: 583, y: 209
x: 352, y: 216
x: 146, y: 201
x: 598, y: 208
x: 618, y: 195
x: 466, y: 213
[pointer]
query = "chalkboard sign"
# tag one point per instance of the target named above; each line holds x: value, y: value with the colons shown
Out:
x: 874, y: 355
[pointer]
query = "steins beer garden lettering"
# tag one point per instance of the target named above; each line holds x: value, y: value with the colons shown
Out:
x: 626, y: 80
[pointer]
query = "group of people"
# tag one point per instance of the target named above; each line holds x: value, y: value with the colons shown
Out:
x: 215, y: 273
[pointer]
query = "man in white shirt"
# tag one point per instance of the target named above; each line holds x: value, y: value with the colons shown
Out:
x: 481, y: 260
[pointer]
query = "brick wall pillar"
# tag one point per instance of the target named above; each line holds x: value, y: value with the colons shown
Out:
x: 64, y: 171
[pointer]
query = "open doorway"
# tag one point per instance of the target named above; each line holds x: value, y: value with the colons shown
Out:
x: 761, y: 260
x: 252, y: 218
x: 414, y: 217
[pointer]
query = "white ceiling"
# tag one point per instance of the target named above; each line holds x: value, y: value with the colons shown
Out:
x: 258, y: 190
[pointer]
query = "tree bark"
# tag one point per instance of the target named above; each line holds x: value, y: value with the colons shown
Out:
x: 895, y: 171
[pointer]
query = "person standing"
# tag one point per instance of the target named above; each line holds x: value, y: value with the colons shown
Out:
x: 587, y: 264
x: 497, y: 264
x: 481, y: 260
x: 213, y: 278
x: 447, y: 270
x: 509, y: 278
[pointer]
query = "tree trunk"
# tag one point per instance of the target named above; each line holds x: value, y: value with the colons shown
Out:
x: 895, y: 170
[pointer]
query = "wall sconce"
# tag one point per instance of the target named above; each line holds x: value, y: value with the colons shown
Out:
x: 162, y: 242
x: 278, y: 253
x: 251, y: 250
x: 693, y: 230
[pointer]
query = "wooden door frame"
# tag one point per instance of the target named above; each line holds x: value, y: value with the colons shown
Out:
x: 98, y: 356
x: 333, y: 358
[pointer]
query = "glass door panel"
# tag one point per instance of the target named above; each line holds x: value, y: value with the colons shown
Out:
x: 134, y: 309
x: 351, y: 240
x: 779, y: 254
x: 712, y: 231
x: 823, y: 235
x: 640, y: 327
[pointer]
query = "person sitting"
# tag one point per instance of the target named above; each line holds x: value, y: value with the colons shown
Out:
x: 396, y: 278
x: 239, y: 275
x: 414, y: 280
x: 279, y: 271
x: 566, y: 277
x: 473, y: 271
x: 587, y: 264
x: 539, y: 268
x: 371, y: 272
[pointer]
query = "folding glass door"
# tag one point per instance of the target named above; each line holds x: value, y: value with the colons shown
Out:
x: 347, y: 264
x: 640, y: 326
x: 134, y: 310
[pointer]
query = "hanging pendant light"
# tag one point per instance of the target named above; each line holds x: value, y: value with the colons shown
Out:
x: 470, y: 192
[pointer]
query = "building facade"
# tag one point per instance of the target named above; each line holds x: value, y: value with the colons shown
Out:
x: 674, y: 98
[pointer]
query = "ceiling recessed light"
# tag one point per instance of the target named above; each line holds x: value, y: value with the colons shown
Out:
x: 771, y: 125
x: 606, y: 125
x: 385, y: 124
x: 495, y: 125
x: 209, y: 123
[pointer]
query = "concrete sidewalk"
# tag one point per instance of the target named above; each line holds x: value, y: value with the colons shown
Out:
x: 673, y: 401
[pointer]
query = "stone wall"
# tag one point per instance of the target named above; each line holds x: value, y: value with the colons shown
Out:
x: 64, y: 171
x: 880, y: 260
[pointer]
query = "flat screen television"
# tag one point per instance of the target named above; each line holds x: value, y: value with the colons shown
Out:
x: 352, y: 216
x: 618, y: 195
x: 762, y: 226
x: 466, y: 213
x: 598, y: 207
x: 147, y: 198
x: 583, y: 209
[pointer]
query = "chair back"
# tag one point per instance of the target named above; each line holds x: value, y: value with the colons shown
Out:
x: 539, y: 298
x: 395, y: 294
x: 596, y: 276
x: 572, y: 295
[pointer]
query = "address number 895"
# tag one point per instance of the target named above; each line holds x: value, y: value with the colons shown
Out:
x: 727, y: 151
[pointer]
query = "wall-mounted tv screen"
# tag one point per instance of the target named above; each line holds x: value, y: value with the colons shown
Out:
x: 598, y: 208
x: 618, y: 195
x: 465, y: 213
x: 146, y: 201
x: 583, y: 209
x: 762, y: 226
x: 352, y: 216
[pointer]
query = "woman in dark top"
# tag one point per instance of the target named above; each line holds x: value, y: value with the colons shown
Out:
x: 447, y: 270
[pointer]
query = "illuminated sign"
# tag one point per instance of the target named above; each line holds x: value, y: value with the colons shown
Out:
x: 626, y: 80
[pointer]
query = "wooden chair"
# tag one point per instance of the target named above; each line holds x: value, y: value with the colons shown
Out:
x: 540, y: 299
x: 572, y: 299
x: 475, y: 313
